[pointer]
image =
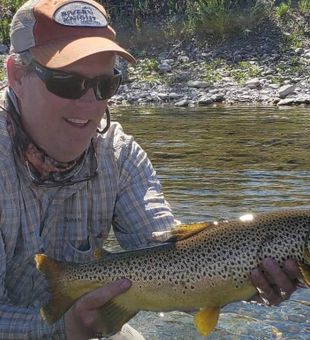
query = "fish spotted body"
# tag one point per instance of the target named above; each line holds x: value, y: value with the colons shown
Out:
x: 201, y: 266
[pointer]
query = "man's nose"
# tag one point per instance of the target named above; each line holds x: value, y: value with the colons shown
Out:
x: 89, y: 96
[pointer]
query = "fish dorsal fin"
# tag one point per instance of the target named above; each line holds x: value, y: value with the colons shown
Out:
x: 180, y: 232
x: 114, y: 316
x: 206, y: 320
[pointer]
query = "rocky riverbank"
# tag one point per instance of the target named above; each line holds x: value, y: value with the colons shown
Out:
x: 257, y: 70
x: 258, y: 73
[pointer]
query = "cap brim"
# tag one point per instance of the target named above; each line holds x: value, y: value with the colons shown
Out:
x: 64, y: 52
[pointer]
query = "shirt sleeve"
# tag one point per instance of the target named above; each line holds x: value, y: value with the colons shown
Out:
x: 20, y: 322
x: 24, y: 323
x: 140, y: 207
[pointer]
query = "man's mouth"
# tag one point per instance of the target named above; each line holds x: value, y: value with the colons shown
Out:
x: 77, y: 122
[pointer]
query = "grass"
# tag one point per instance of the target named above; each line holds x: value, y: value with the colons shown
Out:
x: 292, y: 40
x: 244, y: 71
x: 146, y: 70
x: 209, y: 71
x: 239, y: 72
x: 283, y: 9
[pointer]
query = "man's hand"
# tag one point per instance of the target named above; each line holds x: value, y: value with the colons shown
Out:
x: 81, y: 320
x: 274, y: 284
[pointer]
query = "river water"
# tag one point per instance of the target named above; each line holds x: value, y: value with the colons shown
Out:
x: 221, y: 163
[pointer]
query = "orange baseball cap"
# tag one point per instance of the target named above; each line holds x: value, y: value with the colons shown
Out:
x: 59, y: 32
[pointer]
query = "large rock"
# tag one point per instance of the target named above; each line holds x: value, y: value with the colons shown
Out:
x: 164, y: 68
x: 286, y: 101
x: 197, y: 84
x: 302, y: 99
x: 218, y: 97
x: 182, y: 103
x: 253, y: 83
x: 174, y: 95
x: 204, y: 100
x: 286, y: 90
x: 183, y: 59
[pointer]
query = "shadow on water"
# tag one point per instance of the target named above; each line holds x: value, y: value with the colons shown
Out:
x: 219, y: 163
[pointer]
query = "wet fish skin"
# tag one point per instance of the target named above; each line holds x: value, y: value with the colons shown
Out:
x: 201, y: 266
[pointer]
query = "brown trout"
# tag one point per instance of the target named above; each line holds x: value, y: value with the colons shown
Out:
x: 201, y: 266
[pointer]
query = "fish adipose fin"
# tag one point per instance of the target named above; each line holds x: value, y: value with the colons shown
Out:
x: 206, y: 319
x: 63, y: 293
x: 180, y: 232
x: 114, y: 316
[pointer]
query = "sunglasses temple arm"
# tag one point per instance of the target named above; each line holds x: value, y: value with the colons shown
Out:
x: 107, y: 111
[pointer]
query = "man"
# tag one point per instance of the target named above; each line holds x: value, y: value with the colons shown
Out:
x: 67, y: 175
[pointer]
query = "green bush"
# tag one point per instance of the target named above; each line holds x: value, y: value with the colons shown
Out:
x: 212, y: 15
x: 2, y: 67
x: 5, y: 30
x: 7, y: 10
x: 225, y: 17
x: 304, y: 6
x: 150, y: 22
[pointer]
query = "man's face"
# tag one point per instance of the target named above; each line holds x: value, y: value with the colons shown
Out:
x: 64, y: 127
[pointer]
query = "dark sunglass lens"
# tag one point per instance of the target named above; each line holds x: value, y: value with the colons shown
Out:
x: 107, y: 87
x: 72, y: 86
x: 69, y: 87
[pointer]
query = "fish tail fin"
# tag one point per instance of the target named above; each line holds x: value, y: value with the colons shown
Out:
x: 47, y: 265
x: 61, y: 299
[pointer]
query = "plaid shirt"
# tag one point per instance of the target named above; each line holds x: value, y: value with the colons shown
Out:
x: 69, y: 223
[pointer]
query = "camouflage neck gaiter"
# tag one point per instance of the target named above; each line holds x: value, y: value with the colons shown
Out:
x: 41, y: 168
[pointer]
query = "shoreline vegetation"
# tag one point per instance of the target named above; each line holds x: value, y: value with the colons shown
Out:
x: 206, y: 52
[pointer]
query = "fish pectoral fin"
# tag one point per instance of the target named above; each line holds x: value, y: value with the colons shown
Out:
x: 180, y: 232
x: 206, y: 319
x: 305, y: 272
x: 114, y: 316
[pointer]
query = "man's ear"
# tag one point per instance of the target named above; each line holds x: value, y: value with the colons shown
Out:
x: 15, y: 75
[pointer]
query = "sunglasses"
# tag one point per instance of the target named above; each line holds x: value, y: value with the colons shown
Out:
x: 73, y: 86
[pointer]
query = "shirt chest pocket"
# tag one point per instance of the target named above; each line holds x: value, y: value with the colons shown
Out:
x: 79, y: 244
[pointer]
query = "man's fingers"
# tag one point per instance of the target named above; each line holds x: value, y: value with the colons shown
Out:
x: 281, y: 280
x: 102, y: 295
x: 265, y: 290
x: 292, y: 270
x: 273, y: 283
